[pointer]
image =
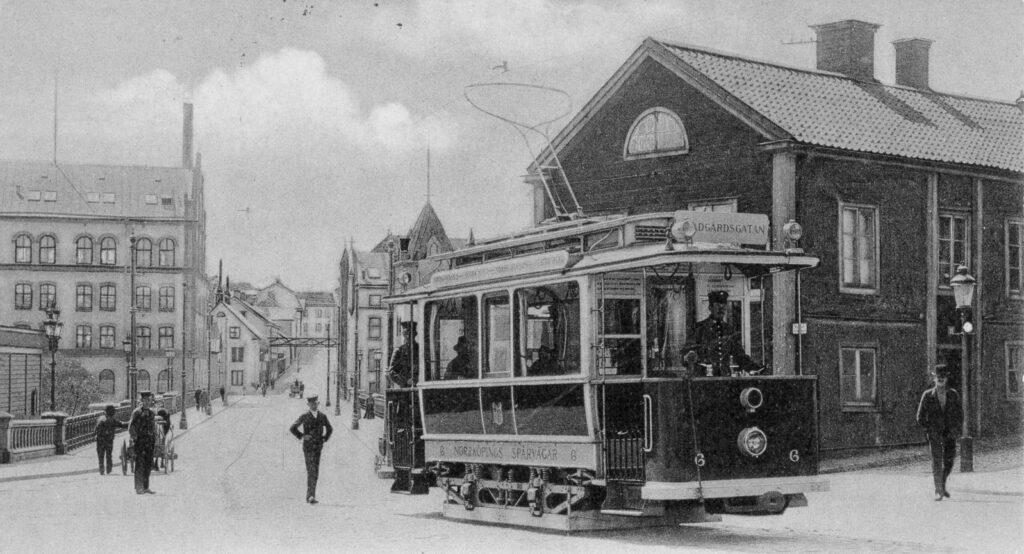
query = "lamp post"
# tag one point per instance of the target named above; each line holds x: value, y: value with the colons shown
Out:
x: 209, y: 373
x: 963, y: 291
x: 133, y: 372
x: 53, y: 327
x: 355, y: 392
x: 221, y: 355
x: 183, y: 421
x: 329, y: 367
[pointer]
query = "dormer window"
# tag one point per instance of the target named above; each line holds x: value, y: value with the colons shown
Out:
x: 657, y: 132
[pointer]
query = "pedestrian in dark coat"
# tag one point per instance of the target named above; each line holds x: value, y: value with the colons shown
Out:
x: 106, y: 427
x: 142, y: 430
x: 316, y: 430
x: 223, y: 396
x: 941, y: 414
x: 404, y: 364
x: 199, y: 399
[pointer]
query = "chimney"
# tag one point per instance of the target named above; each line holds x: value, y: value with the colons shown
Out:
x: 847, y: 47
x: 912, y: 62
x: 186, y: 137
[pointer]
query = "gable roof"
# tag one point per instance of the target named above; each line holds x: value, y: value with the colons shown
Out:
x: 317, y: 298
x: 832, y: 110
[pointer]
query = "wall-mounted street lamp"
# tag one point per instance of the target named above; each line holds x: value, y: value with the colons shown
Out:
x: 963, y: 285
x: 53, y: 327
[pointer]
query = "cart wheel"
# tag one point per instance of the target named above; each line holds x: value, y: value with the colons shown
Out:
x: 124, y: 459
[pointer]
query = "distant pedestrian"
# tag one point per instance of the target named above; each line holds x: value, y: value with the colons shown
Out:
x: 142, y: 430
x: 941, y: 414
x: 223, y: 396
x: 316, y: 430
x: 106, y: 427
x: 199, y: 399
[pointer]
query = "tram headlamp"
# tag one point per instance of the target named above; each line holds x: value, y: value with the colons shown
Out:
x: 683, y: 230
x: 791, y: 233
x: 752, y: 442
x: 751, y: 398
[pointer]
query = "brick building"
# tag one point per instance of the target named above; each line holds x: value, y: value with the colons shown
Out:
x: 895, y: 185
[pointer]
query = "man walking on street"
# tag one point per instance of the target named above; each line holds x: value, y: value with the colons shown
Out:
x: 941, y: 414
x: 142, y: 430
x: 199, y: 399
x: 106, y: 427
x: 316, y: 430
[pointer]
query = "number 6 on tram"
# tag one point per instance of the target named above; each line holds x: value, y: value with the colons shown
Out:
x: 562, y: 381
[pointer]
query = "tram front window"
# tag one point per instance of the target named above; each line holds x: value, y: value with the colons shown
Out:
x: 621, y: 336
x: 451, y: 339
x: 547, y: 330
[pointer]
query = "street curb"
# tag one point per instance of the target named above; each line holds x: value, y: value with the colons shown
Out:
x: 85, y: 471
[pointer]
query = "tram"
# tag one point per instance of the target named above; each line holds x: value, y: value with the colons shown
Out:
x: 557, y: 386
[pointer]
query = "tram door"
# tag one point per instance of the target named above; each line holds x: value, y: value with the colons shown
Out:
x: 404, y: 437
x: 619, y: 324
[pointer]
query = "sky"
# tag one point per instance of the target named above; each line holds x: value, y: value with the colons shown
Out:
x: 314, y: 119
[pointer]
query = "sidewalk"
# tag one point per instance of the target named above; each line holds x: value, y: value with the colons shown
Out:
x: 83, y: 460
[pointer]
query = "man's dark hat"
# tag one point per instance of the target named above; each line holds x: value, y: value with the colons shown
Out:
x: 313, y: 398
x: 407, y: 324
x: 109, y: 410
x: 718, y: 296
x: 462, y: 344
x: 145, y: 393
x: 942, y: 370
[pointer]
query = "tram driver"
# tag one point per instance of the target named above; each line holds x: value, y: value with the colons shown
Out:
x: 717, y: 343
x: 404, y: 365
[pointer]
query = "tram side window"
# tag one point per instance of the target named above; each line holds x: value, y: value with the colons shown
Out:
x: 497, y: 335
x: 547, y: 330
x: 671, y: 315
x: 621, y: 336
x: 451, y: 339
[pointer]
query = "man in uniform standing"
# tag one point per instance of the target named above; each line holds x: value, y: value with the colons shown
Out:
x: 142, y: 430
x: 405, y: 359
x: 717, y: 343
x: 316, y: 430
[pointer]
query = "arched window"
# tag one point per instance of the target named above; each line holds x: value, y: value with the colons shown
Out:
x: 142, y: 380
x: 83, y: 250
x: 657, y: 132
x: 47, y: 249
x: 163, y: 381
x: 144, y: 253
x: 166, y: 252
x: 108, y: 251
x: 107, y: 382
x: 22, y: 249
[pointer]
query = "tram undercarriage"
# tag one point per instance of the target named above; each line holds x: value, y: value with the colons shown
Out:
x: 555, y: 499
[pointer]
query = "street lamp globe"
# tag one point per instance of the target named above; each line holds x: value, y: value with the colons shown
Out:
x: 963, y: 287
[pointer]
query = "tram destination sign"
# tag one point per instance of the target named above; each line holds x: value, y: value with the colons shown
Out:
x: 554, y: 454
x: 500, y: 269
x: 726, y: 228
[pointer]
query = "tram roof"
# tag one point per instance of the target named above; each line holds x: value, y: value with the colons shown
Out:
x: 566, y: 264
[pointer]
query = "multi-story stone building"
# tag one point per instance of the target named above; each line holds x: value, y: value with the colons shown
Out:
x: 369, y: 330
x: 895, y: 186
x: 320, y: 314
x: 243, y: 335
x: 68, y: 229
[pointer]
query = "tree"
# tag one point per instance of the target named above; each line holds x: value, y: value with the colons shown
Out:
x: 76, y: 388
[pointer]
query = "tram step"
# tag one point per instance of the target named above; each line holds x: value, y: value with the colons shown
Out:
x: 630, y: 513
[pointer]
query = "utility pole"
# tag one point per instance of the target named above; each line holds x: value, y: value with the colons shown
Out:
x: 133, y: 372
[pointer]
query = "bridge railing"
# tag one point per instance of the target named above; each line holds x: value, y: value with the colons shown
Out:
x: 56, y: 433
